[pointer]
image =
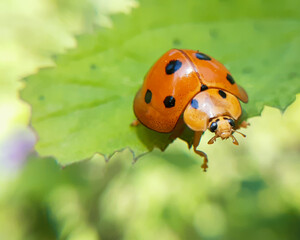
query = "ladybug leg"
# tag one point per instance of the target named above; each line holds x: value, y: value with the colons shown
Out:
x: 197, y: 138
x: 212, y: 140
x: 177, y: 130
x: 205, y: 161
x: 135, y: 123
x: 243, y: 124
x: 234, y: 140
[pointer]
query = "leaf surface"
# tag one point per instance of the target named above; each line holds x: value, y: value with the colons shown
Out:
x: 84, y: 104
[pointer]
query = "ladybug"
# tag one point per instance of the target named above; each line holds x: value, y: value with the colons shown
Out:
x: 192, y: 88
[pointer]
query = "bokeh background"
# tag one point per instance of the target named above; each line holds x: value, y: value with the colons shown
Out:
x: 250, y: 192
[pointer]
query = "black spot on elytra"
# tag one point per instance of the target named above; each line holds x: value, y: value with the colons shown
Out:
x: 204, y: 87
x: 222, y: 94
x: 173, y: 66
x: 169, y: 102
x: 202, y: 56
x: 230, y: 78
x: 148, y: 96
x: 194, y: 104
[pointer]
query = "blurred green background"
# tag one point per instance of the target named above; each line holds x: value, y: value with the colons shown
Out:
x: 249, y: 192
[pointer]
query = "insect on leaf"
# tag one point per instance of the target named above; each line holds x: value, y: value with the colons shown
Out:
x: 84, y: 104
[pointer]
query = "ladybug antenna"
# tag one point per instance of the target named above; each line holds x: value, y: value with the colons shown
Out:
x: 240, y: 133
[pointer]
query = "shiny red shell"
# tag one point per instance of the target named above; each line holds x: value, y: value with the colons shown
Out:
x: 173, y: 81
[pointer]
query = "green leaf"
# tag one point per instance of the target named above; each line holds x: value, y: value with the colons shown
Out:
x: 84, y: 104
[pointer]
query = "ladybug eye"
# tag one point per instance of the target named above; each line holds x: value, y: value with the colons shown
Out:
x: 231, y: 122
x: 213, y: 127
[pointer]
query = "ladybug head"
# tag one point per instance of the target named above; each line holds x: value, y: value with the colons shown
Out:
x: 223, y: 127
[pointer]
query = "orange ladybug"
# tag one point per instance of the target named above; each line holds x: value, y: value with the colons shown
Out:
x: 192, y: 88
